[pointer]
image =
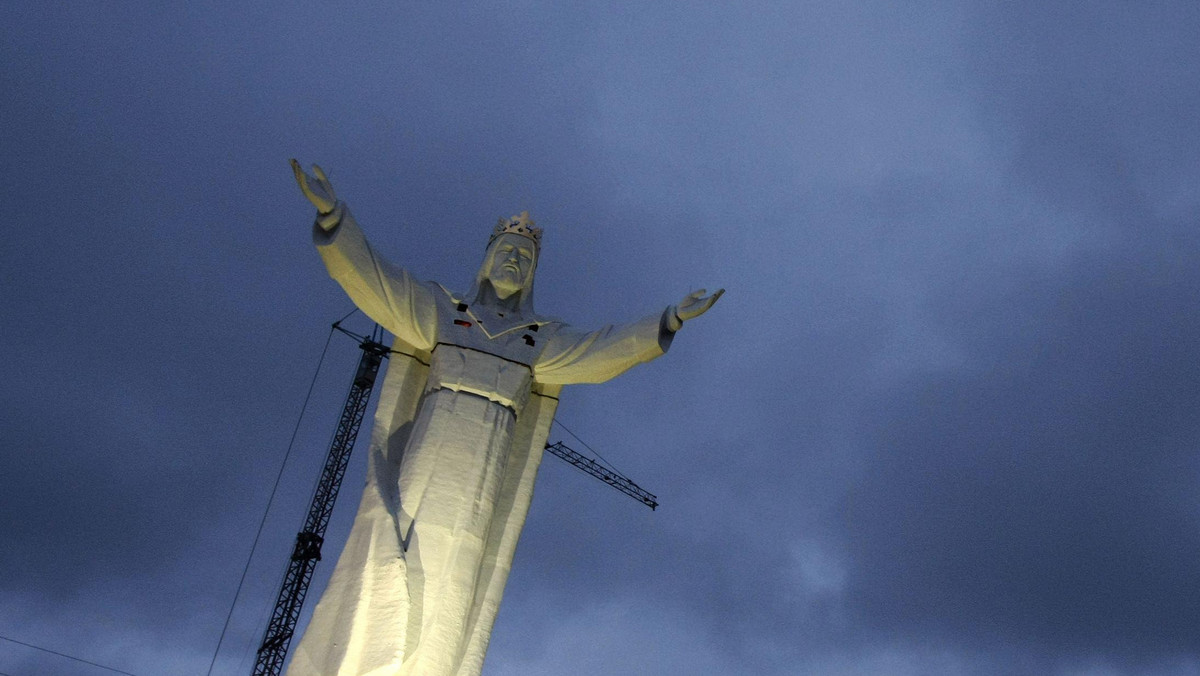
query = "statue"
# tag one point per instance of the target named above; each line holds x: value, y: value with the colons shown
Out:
x: 462, y: 420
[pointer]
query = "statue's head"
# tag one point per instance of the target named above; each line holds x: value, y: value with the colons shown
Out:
x: 510, y: 261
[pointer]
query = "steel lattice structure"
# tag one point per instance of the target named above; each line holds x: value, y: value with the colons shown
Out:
x: 604, y: 474
x: 307, y: 551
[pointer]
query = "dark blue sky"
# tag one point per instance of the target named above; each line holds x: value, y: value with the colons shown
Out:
x: 944, y: 420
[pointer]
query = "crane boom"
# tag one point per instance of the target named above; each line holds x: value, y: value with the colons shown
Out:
x: 617, y: 481
x: 307, y: 550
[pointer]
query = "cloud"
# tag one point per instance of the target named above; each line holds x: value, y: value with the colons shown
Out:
x: 1042, y: 495
x: 940, y: 423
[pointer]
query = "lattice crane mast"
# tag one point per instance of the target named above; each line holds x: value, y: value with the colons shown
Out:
x: 307, y: 552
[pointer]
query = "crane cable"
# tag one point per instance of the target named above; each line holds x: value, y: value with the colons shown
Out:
x: 274, y: 488
x: 609, y: 465
x: 55, y: 652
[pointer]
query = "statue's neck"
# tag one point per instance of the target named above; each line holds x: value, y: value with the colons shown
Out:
x: 488, y: 297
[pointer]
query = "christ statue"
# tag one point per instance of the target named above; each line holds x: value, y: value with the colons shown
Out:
x: 461, y: 424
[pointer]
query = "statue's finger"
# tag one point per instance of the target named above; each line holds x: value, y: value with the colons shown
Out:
x: 711, y: 301
x: 324, y: 181
x: 300, y: 177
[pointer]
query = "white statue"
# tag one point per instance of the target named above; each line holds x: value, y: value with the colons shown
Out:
x: 461, y: 424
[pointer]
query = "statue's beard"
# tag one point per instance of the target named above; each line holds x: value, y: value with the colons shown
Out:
x: 488, y: 295
x: 506, y: 284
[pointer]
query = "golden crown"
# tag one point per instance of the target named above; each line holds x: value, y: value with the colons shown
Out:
x: 520, y: 224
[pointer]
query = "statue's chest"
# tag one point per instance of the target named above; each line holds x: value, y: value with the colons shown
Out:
x: 520, y: 343
x: 482, y: 352
x: 484, y: 329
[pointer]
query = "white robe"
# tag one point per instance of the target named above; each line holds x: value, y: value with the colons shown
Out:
x: 461, y: 424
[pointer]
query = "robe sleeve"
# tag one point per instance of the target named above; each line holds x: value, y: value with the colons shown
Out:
x: 572, y: 357
x: 385, y: 293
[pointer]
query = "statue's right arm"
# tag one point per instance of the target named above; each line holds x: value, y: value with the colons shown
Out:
x: 384, y: 292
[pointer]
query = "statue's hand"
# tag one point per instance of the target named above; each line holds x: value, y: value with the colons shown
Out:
x: 318, y: 190
x: 694, y: 304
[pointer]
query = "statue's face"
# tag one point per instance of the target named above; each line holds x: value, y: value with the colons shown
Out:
x: 512, y: 258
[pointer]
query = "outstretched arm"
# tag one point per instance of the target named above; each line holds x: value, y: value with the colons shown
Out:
x: 317, y: 189
x: 572, y: 357
x: 386, y: 293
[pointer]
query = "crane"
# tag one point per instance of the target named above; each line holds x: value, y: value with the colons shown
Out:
x: 307, y: 550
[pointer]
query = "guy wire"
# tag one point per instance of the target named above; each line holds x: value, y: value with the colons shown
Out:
x: 271, y: 499
x: 594, y: 451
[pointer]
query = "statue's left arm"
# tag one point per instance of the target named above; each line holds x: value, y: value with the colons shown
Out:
x: 572, y: 357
